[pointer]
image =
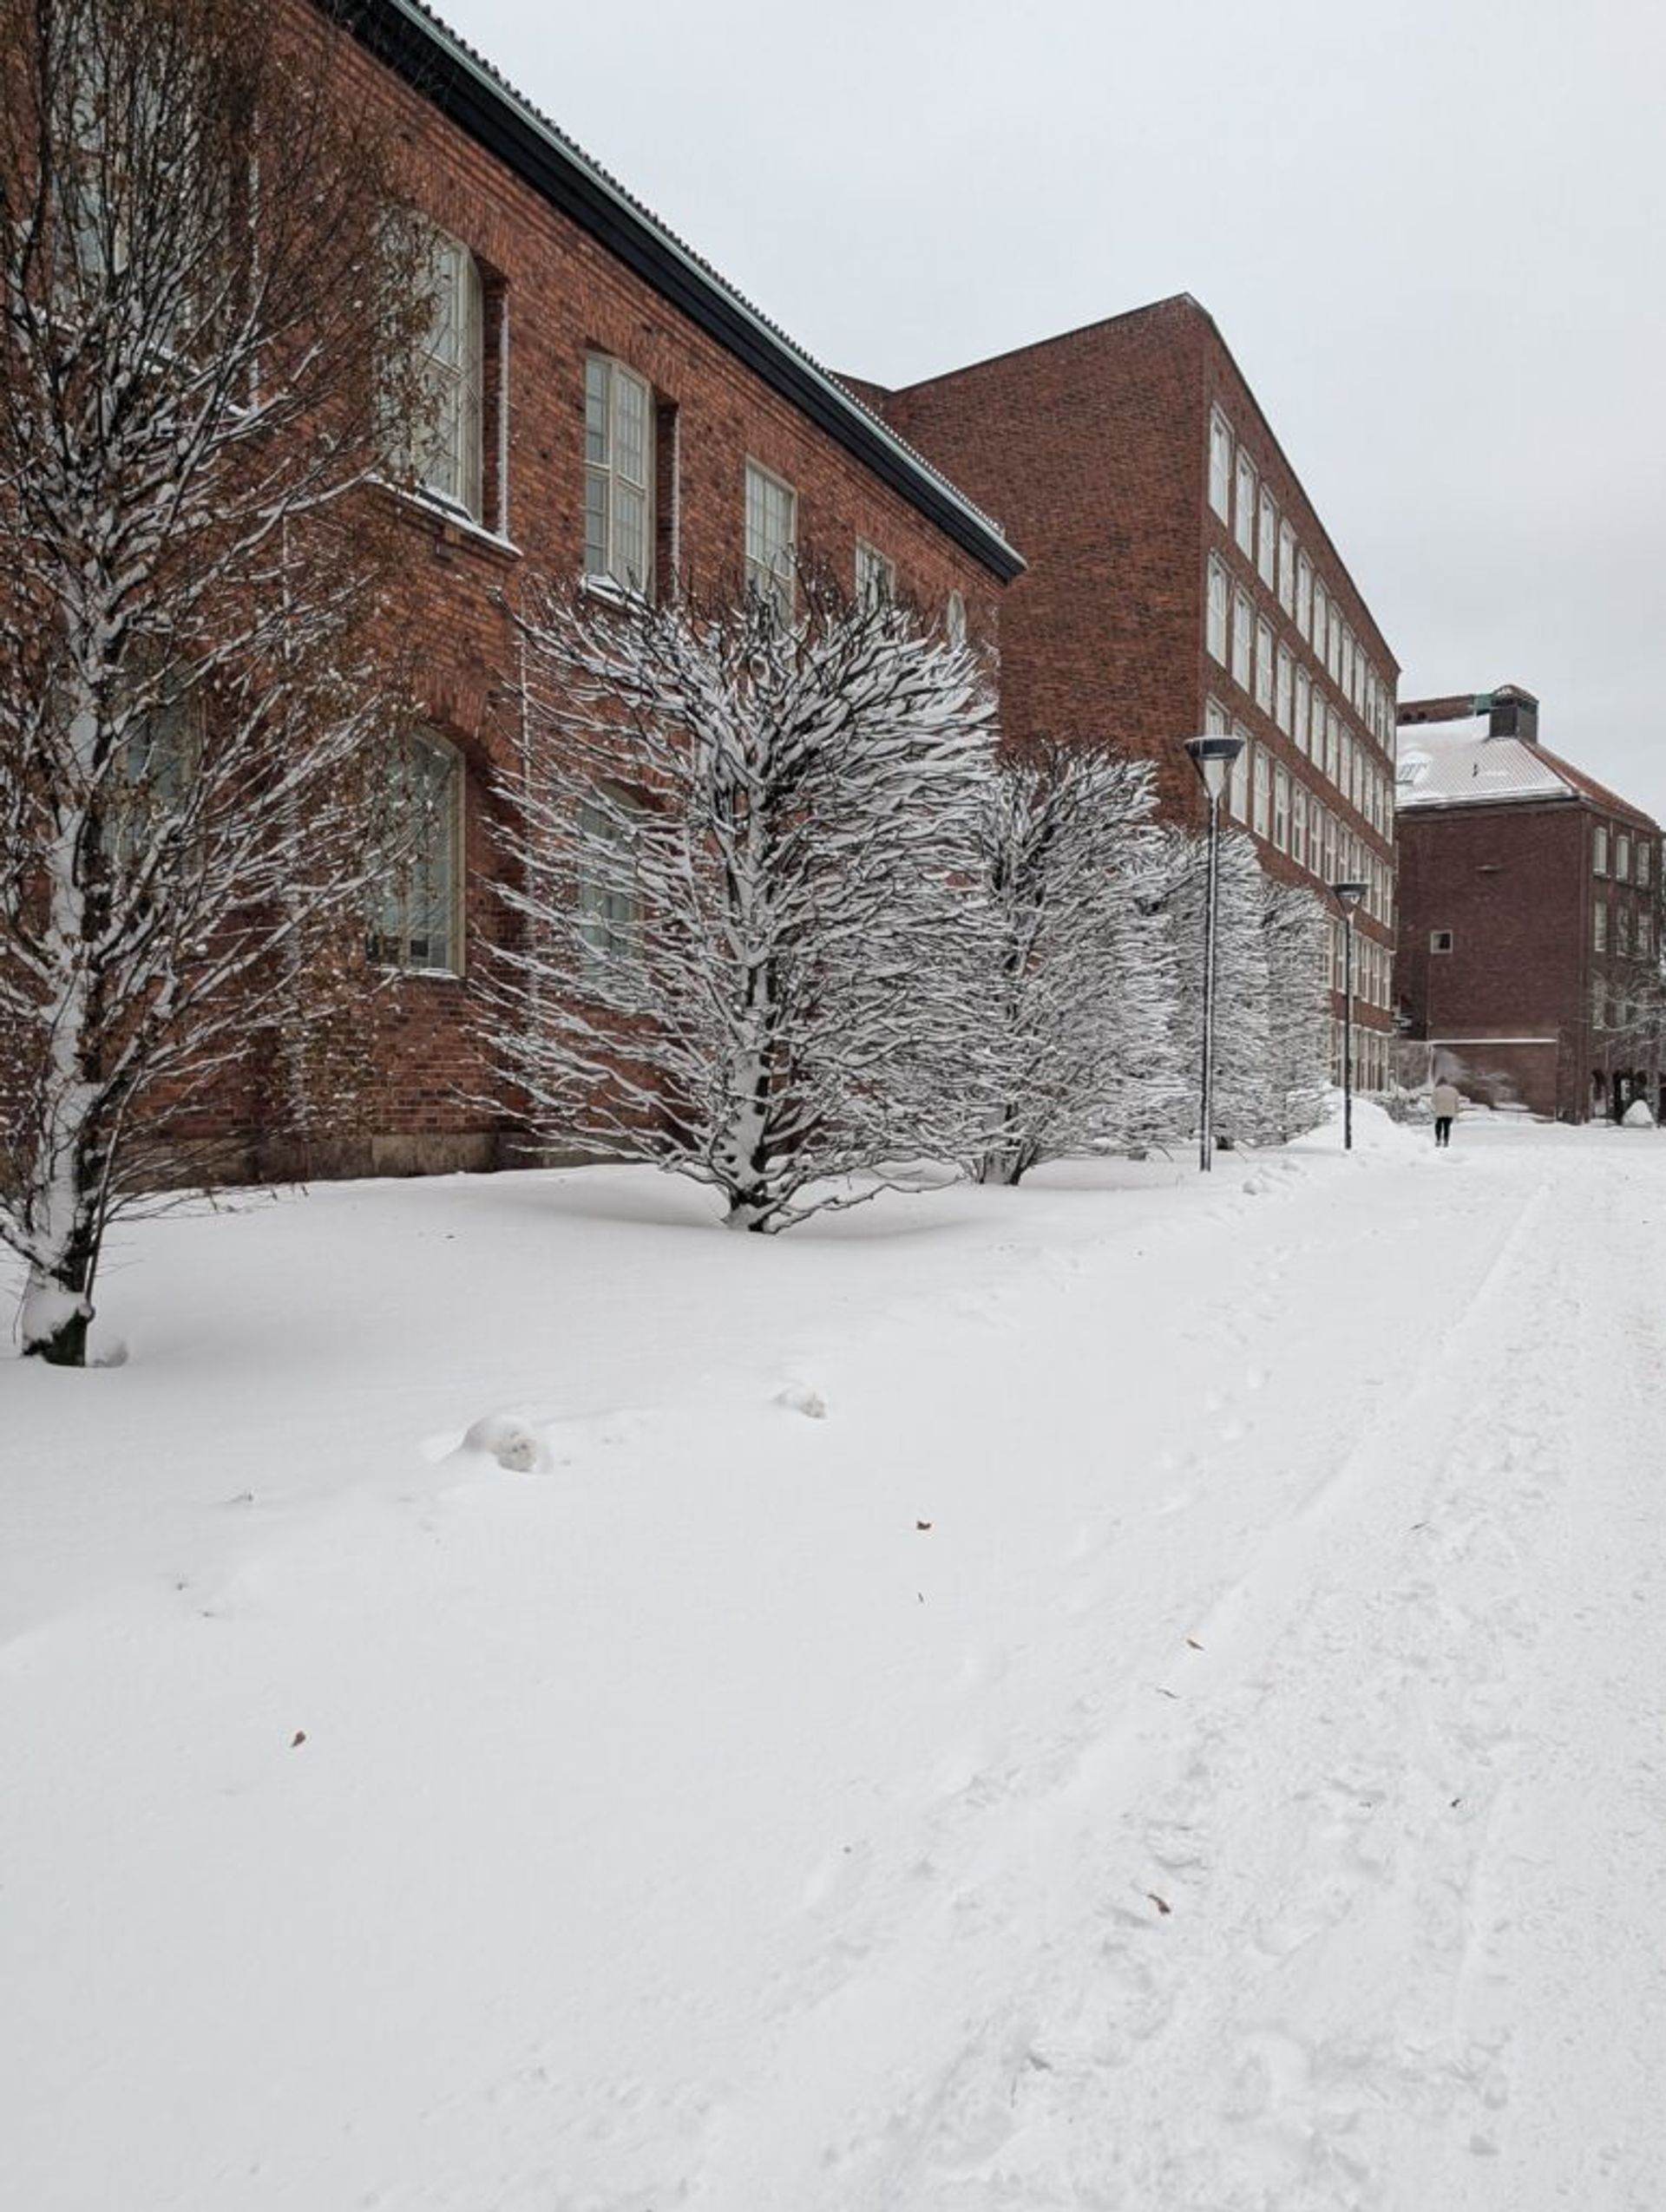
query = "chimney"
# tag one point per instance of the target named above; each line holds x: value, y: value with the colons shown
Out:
x: 1513, y: 713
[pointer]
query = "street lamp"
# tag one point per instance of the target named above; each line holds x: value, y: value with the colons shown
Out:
x: 1348, y: 897
x: 1213, y: 758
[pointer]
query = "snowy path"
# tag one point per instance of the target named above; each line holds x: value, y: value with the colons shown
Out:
x: 1183, y: 1734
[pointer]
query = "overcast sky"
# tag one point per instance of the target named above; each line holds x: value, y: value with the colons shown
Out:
x: 1431, y: 231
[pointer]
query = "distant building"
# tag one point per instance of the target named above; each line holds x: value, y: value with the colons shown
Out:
x: 1180, y: 580
x: 1528, y: 962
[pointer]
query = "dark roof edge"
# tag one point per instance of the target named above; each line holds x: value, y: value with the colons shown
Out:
x: 409, y: 40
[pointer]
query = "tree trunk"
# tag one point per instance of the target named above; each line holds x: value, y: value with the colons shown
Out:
x: 58, y: 1306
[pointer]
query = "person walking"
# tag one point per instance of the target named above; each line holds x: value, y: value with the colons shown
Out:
x: 1446, y: 1102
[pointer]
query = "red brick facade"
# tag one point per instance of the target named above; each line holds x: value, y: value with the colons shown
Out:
x: 554, y: 292
x: 1498, y: 978
x: 1093, y: 451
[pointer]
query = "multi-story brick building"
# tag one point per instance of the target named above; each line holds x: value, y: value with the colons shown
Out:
x: 1528, y: 966
x: 1180, y: 580
x: 608, y: 405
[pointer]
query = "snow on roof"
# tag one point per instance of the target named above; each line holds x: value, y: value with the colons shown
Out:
x: 1452, y: 764
x: 1443, y: 764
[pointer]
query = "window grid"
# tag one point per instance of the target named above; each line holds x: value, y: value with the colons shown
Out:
x: 447, y: 458
x: 771, y: 529
x: 1220, y: 465
x: 1214, y: 616
x: 416, y: 924
x: 1244, y: 521
x: 618, y: 474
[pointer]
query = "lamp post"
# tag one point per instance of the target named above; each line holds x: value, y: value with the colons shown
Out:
x: 1348, y: 897
x: 1213, y: 758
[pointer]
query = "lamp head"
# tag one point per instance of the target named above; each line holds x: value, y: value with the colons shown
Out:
x: 1348, y: 895
x: 1213, y: 757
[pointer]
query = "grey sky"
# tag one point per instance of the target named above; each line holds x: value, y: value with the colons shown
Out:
x: 1430, y: 231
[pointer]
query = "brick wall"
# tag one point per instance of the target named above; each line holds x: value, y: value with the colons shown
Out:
x: 1091, y: 450
x: 561, y: 295
x: 1515, y: 885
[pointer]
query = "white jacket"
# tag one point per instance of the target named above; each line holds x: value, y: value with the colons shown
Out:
x: 1447, y: 1101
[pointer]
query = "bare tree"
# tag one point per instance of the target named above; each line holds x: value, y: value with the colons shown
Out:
x: 740, y: 853
x: 1075, y: 1051
x: 209, y: 301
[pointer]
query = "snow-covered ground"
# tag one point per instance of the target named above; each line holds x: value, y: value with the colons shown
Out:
x: 1145, y: 1692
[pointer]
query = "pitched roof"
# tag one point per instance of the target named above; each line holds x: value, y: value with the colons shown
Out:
x: 409, y: 39
x: 1440, y: 766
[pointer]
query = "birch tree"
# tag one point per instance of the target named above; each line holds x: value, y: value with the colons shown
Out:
x: 1077, y: 1049
x: 740, y: 859
x: 208, y: 297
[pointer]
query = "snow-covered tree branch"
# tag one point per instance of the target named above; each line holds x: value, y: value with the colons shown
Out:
x: 1176, y: 886
x: 1076, y: 1051
x: 741, y: 863
x: 208, y: 294
x: 1295, y: 940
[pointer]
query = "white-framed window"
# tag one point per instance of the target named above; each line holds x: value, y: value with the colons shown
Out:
x: 1622, y: 858
x: 618, y: 474
x: 1321, y: 620
x: 1220, y: 465
x: 1599, y: 850
x: 1304, y: 595
x: 1245, y: 519
x: 1264, y: 666
x: 1317, y: 727
x: 1623, y: 929
x: 609, y: 906
x: 1348, y: 786
x: 445, y: 451
x: 1287, y: 567
x: 1215, y: 718
x: 1644, y: 850
x: 1334, y: 746
x: 876, y: 575
x: 1299, y: 825
x: 1333, y: 656
x: 1264, y: 789
x: 145, y: 789
x: 1282, y: 809
x: 1347, y: 658
x: 1599, y: 926
x: 1303, y: 698
x: 1267, y: 538
x: 1238, y: 789
x: 1645, y: 935
x: 1215, y: 617
x: 955, y: 620
x: 771, y: 537
x: 1244, y: 635
x: 1283, y: 688
x: 1598, y: 1002
x: 417, y: 921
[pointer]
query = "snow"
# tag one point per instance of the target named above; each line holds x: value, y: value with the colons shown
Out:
x: 1176, y: 1729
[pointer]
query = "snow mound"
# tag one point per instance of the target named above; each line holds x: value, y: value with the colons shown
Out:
x: 1637, y: 1116
x: 510, y: 1440
x: 802, y: 1399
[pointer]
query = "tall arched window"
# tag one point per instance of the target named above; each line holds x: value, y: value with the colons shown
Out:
x: 416, y: 919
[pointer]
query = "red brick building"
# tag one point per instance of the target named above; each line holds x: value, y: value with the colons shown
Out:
x: 1180, y: 580
x: 609, y: 406
x: 1528, y: 966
